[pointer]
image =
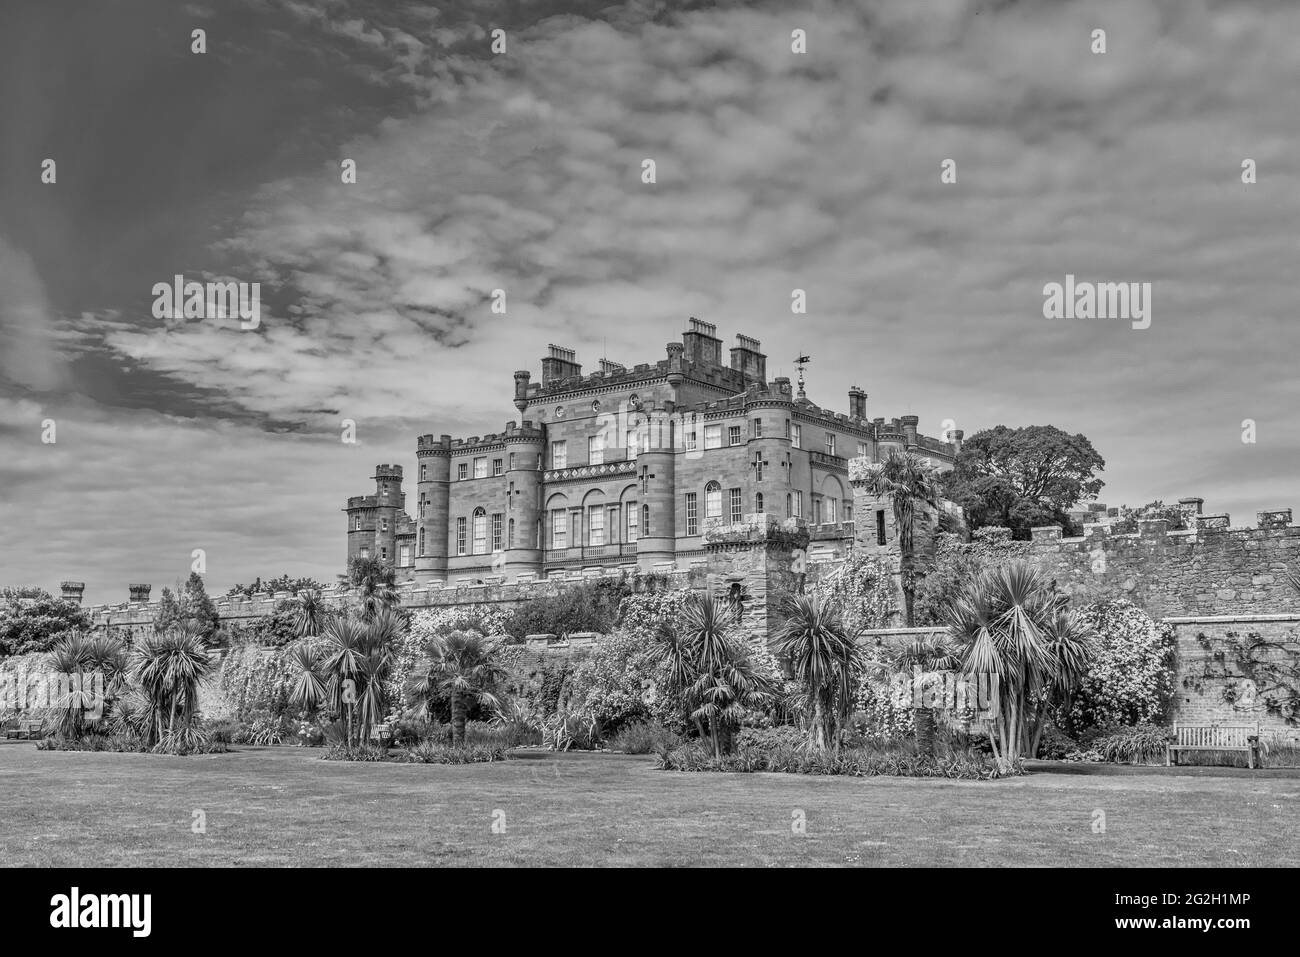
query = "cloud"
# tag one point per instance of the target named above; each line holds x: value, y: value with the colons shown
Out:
x: 27, y: 355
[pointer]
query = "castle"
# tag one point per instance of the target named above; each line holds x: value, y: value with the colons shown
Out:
x: 631, y: 467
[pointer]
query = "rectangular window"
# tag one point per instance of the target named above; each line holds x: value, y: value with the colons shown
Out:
x: 611, y: 523
x: 595, y: 449
x: 496, y: 531
x: 633, y: 443
x: 880, y: 526
x: 758, y: 466
x: 692, y: 514
x: 633, y: 518
x: 830, y: 444
x: 460, y: 536
x: 383, y: 524
x: 690, y: 441
x: 383, y: 491
x: 559, y: 455
x: 787, y: 428
x: 462, y: 471
x: 424, y: 472
x: 422, y: 504
x: 817, y: 510
x: 737, y: 507
x: 596, y: 525
x: 798, y: 504
x: 510, y: 461
x: 758, y: 428
x: 559, y: 529
x: 365, y: 552
x: 733, y: 435
x: 404, y: 555
x: 828, y: 510
x: 848, y: 510
x: 796, y: 436
x: 713, y: 436
x: 480, y: 467
x: 862, y: 450
x: 497, y: 467
x: 358, y: 523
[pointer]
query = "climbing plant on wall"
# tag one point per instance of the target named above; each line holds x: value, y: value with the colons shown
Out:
x: 1251, y: 670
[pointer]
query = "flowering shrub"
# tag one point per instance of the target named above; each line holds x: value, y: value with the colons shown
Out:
x: 956, y: 562
x: 255, y: 679
x: 489, y: 619
x: 1130, y: 680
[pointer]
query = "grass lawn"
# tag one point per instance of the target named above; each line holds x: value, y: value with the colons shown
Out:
x: 285, y: 806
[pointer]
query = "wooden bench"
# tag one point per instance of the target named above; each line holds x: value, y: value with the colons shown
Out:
x: 1200, y: 737
x: 23, y: 728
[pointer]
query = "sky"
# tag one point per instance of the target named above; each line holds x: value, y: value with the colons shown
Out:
x: 522, y: 170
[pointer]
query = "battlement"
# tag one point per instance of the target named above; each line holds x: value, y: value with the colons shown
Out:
x: 495, y: 590
x: 386, y: 471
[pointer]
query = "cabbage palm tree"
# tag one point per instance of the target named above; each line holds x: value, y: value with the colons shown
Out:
x: 310, y: 613
x: 345, y: 669
x: 375, y: 581
x: 169, y: 668
x: 826, y: 659
x: 459, y: 666
x: 1012, y: 625
x: 723, y: 679
x: 911, y: 485
x: 93, y: 670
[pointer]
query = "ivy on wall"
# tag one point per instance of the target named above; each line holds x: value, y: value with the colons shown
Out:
x: 1252, y: 670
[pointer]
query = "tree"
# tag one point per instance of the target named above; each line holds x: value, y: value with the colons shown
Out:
x: 310, y: 612
x: 1012, y: 626
x: 198, y: 609
x: 712, y: 669
x: 825, y: 657
x: 33, y: 620
x: 347, y: 668
x: 375, y: 581
x: 169, y: 668
x: 916, y: 658
x: 461, y: 667
x: 1023, y: 477
x: 90, y: 667
x: 911, y: 484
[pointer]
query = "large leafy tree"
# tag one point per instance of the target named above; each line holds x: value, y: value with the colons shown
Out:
x: 32, y: 620
x: 1023, y: 477
x: 911, y: 486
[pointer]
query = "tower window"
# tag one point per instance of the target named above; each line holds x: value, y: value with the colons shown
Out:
x: 758, y: 428
x: 796, y: 436
x: 358, y: 525
x: 758, y: 502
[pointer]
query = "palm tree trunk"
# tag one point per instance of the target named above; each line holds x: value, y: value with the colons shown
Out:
x: 909, y: 591
x: 457, y: 720
x: 923, y: 722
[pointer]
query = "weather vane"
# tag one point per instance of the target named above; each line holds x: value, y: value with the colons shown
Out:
x: 800, y: 362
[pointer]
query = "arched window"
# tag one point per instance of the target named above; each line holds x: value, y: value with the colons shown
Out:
x: 758, y: 502
x: 510, y: 535
x: 480, y: 532
x: 713, y: 500
x: 421, y: 541
x: 789, y: 505
x: 645, y: 520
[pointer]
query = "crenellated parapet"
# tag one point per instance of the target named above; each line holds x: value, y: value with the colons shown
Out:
x: 1210, y: 567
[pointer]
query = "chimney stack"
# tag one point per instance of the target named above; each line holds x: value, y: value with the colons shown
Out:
x: 140, y: 593
x: 857, y: 403
x: 72, y: 591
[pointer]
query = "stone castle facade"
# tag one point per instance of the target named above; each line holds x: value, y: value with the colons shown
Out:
x: 631, y: 467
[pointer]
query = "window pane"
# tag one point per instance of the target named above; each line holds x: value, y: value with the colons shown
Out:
x: 559, y: 455
x: 713, y: 436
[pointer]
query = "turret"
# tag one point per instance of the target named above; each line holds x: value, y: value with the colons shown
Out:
x: 72, y: 591
x: 434, y: 489
x: 525, y: 453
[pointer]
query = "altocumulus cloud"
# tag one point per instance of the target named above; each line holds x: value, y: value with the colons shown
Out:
x: 821, y: 172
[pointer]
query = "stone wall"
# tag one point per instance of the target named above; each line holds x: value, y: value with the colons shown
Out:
x: 1210, y: 569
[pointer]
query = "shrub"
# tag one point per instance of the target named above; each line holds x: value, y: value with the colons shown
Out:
x: 1088, y: 756
x: 1054, y: 744
x: 225, y: 731
x: 590, y: 606
x: 429, y: 752
x: 1130, y: 680
x: 1138, y: 744
x: 643, y: 737
x: 361, y: 752
x: 850, y: 762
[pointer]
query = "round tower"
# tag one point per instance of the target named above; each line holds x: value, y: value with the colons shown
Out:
x: 389, y: 505
x: 434, y: 489
x: 656, y: 473
x: 525, y: 449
